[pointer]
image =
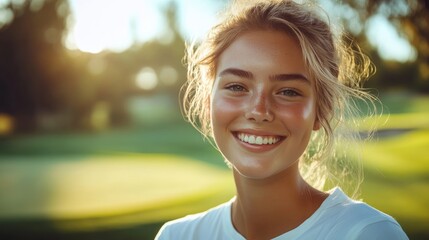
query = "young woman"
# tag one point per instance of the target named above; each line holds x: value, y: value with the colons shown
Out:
x: 270, y: 84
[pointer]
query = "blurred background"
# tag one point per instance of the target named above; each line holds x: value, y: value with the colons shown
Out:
x: 92, y: 142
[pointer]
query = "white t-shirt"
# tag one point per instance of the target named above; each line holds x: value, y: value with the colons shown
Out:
x: 339, y: 217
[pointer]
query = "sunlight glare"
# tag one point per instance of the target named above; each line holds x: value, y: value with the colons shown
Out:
x: 197, y: 17
x: 6, y: 16
x: 6, y: 124
x: 98, y: 25
x: 168, y: 75
x: 147, y: 79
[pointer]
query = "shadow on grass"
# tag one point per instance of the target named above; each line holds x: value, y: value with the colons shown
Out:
x: 47, y: 230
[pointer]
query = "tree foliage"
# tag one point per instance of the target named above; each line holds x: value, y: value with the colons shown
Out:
x: 32, y: 63
x: 411, y: 20
x: 43, y: 84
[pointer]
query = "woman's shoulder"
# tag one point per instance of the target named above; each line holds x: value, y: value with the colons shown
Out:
x: 350, y: 210
x: 190, y: 226
x: 357, y: 219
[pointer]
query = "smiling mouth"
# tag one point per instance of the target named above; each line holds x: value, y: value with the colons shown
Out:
x: 258, y: 140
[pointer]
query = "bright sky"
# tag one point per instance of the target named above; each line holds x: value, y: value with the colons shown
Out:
x: 115, y: 25
x: 386, y: 39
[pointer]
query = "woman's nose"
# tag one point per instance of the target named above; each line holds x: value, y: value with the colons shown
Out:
x: 259, y: 109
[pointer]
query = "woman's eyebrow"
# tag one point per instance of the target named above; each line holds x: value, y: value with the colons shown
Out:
x: 288, y: 77
x: 276, y: 77
x: 236, y: 72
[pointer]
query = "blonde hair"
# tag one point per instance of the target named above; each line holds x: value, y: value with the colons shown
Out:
x: 337, y: 69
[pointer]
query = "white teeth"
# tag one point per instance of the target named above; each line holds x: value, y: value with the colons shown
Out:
x: 265, y: 141
x: 258, y: 140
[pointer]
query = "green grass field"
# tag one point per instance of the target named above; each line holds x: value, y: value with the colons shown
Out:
x: 112, y: 185
x: 396, y: 176
x: 123, y: 184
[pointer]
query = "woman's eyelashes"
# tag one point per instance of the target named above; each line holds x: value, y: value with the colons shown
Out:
x: 235, y: 87
x: 240, y: 88
x: 289, y: 93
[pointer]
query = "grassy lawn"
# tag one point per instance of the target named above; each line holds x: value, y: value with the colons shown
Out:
x: 79, y: 188
x: 176, y: 138
x: 163, y: 172
x: 111, y: 185
x: 396, y: 163
x: 396, y: 178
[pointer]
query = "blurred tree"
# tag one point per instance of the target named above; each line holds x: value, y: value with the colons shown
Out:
x: 163, y: 55
x: 33, y: 67
x: 411, y: 19
x: 42, y: 83
x: 166, y: 51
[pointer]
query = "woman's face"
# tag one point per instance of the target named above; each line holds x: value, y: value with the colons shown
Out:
x: 262, y: 104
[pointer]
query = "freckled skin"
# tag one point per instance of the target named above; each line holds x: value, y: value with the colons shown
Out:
x: 259, y: 103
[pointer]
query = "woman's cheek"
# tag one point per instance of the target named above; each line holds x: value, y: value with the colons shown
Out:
x: 224, y: 109
x: 299, y: 112
x: 220, y: 106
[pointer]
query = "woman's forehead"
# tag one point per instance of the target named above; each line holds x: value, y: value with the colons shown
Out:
x: 269, y: 51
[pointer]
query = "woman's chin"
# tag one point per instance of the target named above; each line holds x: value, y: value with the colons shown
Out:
x: 254, y: 173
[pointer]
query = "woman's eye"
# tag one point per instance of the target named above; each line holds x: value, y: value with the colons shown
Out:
x: 289, y: 93
x: 235, y: 88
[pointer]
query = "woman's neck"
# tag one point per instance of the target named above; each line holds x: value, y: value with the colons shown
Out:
x: 266, y: 208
